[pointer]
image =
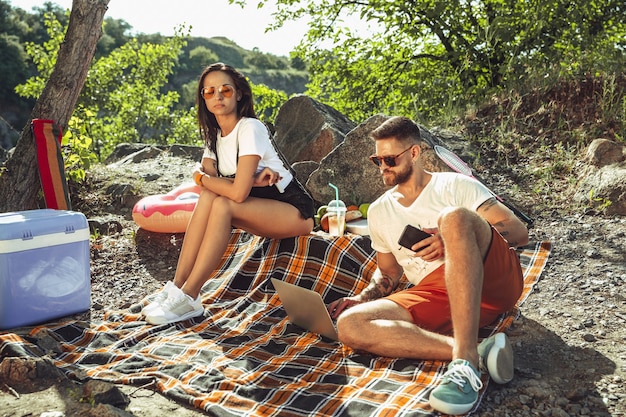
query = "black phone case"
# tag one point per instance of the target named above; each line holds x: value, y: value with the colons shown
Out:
x: 411, y: 235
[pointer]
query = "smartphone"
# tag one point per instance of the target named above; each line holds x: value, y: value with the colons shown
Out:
x: 411, y: 235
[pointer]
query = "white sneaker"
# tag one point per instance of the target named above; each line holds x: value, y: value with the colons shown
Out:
x: 496, y: 355
x: 178, y: 306
x: 157, y: 298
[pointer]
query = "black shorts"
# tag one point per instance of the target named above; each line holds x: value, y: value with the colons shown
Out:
x: 294, y: 194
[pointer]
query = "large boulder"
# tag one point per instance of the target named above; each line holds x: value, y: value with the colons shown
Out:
x: 358, y: 180
x: 307, y: 130
x: 304, y: 169
x: 347, y: 167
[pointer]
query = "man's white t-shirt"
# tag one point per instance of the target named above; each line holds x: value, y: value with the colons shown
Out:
x: 249, y: 137
x: 387, y: 217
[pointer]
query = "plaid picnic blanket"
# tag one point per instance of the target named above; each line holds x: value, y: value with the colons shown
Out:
x: 244, y: 357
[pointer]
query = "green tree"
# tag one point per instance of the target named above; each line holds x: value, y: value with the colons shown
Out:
x: 19, y: 184
x: 13, y: 63
x: 124, y: 90
x: 114, y: 35
x: 44, y: 56
x: 122, y: 99
x: 428, y: 55
x: 200, y: 57
x: 267, y: 101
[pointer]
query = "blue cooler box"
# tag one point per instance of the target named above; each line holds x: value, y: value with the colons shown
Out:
x: 44, y: 266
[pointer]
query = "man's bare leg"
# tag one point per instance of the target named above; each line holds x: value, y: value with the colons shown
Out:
x: 466, y: 238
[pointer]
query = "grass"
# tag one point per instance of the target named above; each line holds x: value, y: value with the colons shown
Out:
x: 536, y: 139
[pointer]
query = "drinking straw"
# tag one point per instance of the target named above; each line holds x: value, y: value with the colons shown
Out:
x: 336, y: 193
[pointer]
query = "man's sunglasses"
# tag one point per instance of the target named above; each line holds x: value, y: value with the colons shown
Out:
x: 390, y: 161
x: 226, y: 90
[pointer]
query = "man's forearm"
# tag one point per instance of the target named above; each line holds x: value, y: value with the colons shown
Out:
x: 380, y: 286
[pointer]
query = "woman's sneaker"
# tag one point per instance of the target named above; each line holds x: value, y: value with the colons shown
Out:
x: 178, y: 306
x: 157, y: 298
x: 458, y: 391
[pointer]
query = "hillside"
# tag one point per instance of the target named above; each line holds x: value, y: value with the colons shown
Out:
x: 20, y: 27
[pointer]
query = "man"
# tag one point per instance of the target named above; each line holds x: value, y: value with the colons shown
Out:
x: 467, y: 274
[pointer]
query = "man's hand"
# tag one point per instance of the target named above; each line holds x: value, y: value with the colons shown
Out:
x: 434, y: 249
x: 338, y: 306
x: 266, y: 177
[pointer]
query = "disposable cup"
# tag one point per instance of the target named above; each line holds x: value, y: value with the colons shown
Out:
x: 336, y: 217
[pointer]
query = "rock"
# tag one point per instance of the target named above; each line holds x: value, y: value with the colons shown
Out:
x: 307, y: 130
x: 606, y: 187
x: 148, y: 152
x: 26, y: 372
x: 588, y: 337
x: 104, y: 226
x: 4, y: 155
x: 187, y: 151
x: 123, y: 150
x: 102, y: 392
x: 358, y: 180
x: 304, y: 169
x: 558, y: 412
x: 347, y: 167
x: 124, y: 193
x: 603, y: 152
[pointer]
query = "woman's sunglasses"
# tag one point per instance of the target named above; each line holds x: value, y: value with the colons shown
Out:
x: 226, y: 90
x: 390, y: 161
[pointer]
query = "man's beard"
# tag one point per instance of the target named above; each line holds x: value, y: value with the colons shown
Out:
x: 395, y: 178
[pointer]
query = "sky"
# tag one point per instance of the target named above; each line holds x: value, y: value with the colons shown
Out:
x: 208, y: 18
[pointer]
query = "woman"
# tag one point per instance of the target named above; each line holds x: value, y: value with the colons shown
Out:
x: 245, y: 185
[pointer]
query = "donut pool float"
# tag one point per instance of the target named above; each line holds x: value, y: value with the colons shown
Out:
x: 167, y: 213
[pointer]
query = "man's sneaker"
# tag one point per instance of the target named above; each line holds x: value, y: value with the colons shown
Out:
x: 178, y: 306
x: 157, y: 298
x: 458, y: 391
x: 496, y: 355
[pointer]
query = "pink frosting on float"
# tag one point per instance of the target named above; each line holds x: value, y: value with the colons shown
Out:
x: 174, y: 209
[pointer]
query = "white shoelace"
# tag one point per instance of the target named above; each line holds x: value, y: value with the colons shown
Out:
x: 161, y: 295
x: 178, y: 303
x: 460, y: 373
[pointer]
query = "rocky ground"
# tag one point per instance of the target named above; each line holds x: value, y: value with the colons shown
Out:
x: 570, y: 341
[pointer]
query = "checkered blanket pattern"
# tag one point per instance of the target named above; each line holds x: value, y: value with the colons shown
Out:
x: 244, y: 357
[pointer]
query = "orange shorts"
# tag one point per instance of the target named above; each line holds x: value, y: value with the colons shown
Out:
x: 502, y: 286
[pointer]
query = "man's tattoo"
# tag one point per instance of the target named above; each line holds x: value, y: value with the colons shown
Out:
x: 379, y: 287
x: 500, y: 227
x: 489, y: 203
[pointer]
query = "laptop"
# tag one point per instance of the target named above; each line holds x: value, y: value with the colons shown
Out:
x: 305, y: 308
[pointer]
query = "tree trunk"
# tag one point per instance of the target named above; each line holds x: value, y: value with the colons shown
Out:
x: 19, y: 183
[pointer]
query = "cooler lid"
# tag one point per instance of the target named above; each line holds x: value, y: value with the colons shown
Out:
x: 31, y: 223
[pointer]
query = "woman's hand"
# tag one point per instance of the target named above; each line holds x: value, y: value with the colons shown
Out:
x: 266, y: 177
x: 197, y: 173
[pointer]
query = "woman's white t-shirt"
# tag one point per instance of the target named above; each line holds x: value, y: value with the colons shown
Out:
x: 387, y: 217
x: 249, y: 137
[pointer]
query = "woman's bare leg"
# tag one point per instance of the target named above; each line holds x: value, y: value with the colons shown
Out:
x: 262, y: 217
x: 194, y: 235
